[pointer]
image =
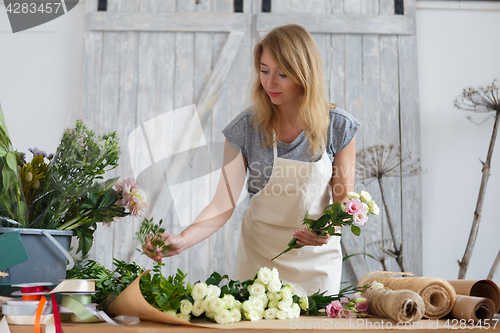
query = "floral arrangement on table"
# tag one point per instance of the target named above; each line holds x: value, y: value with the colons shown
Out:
x: 66, y: 190
x: 218, y: 298
x: 353, y: 213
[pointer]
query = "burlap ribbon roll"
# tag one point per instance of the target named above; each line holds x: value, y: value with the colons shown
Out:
x: 438, y: 294
x: 403, y: 306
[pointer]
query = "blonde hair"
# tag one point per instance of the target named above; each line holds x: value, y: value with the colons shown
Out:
x: 297, y: 54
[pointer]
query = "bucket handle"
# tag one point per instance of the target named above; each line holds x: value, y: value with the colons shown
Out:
x: 62, y: 249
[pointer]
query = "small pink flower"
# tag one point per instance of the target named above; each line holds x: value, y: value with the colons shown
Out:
x: 133, y: 199
x: 360, y: 217
x: 361, y: 307
x: 333, y: 309
x: 344, y: 313
x: 344, y: 300
x: 353, y: 206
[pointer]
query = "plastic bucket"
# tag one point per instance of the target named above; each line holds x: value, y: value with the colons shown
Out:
x: 47, y: 256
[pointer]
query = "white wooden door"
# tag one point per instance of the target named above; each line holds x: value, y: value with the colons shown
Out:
x: 146, y: 58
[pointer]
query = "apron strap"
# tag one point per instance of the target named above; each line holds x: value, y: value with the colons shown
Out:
x: 275, y: 149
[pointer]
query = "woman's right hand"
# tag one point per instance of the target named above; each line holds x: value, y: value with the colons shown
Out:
x: 176, y: 243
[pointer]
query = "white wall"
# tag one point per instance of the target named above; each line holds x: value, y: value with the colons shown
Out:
x: 40, y: 86
x: 457, y: 48
x: 40, y: 79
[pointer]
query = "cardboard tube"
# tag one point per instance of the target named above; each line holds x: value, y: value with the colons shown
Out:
x: 475, y: 308
x: 479, y: 288
x: 130, y: 302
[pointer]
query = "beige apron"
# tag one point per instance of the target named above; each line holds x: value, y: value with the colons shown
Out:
x: 275, y: 213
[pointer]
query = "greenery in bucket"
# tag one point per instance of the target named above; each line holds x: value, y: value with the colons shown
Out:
x: 67, y: 190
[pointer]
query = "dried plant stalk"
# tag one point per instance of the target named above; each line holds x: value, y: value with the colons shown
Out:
x: 479, y: 100
x: 377, y: 162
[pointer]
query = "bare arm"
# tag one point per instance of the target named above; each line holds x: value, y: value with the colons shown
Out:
x: 218, y: 211
x: 344, y: 171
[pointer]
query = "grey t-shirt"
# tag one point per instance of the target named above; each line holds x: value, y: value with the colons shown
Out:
x: 243, y: 136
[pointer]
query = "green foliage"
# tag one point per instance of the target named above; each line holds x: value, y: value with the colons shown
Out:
x: 318, y: 301
x: 108, y: 283
x: 12, y: 202
x: 165, y: 293
x: 149, y: 232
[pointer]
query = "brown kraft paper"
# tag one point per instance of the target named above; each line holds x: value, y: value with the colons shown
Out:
x: 475, y: 308
x: 479, y: 288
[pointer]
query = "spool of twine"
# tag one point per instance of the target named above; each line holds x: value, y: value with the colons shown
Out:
x: 403, y: 306
x: 438, y: 295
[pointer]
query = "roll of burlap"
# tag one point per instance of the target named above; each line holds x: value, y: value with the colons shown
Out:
x: 438, y: 294
x: 478, y: 288
x: 403, y: 306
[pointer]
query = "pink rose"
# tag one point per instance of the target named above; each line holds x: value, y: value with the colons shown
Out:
x: 361, y: 307
x: 353, y: 206
x: 333, y: 309
x: 344, y: 313
x: 360, y: 217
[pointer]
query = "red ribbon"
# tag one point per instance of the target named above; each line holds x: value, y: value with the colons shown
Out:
x: 37, y: 289
x: 41, y: 305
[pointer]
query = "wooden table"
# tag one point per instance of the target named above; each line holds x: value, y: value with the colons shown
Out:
x: 307, y: 324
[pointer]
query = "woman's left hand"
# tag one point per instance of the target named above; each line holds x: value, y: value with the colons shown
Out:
x: 308, y: 237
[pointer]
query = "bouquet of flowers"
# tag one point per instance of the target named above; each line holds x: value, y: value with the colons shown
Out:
x: 353, y: 213
x: 67, y: 190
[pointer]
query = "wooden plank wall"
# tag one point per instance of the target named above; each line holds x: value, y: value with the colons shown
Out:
x: 131, y: 77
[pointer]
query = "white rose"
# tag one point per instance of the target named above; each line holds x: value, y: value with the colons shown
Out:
x: 276, y: 274
x: 285, y: 305
x: 264, y: 299
x: 374, y: 209
x: 295, y: 311
x: 210, y: 314
x: 281, y: 315
x: 365, y: 207
x: 247, y: 306
x: 237, y: 305
x: 172, y: 313
x: 270, y: 313
x: 254, y: 315
x: 273, y: 296
x: 304, y: 303
x: 286, y: 293
x: 198, y: 308
x: 291, y: 287
x: 235, y: 315
x: 257, y: 302
x: 216, y: 305
x: 352, y: 195
x: 186, y: 307
x: 264, y: 275
x: 213, y: 291
x: 223, y: 317
x: 272, y: 304
x: 274, y: 286
x: 205, y: 303
x: 199, y: 291
x: 229, y: 300
x: 257, y: 289
x: 365, y: 196
x: 183, y: 316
